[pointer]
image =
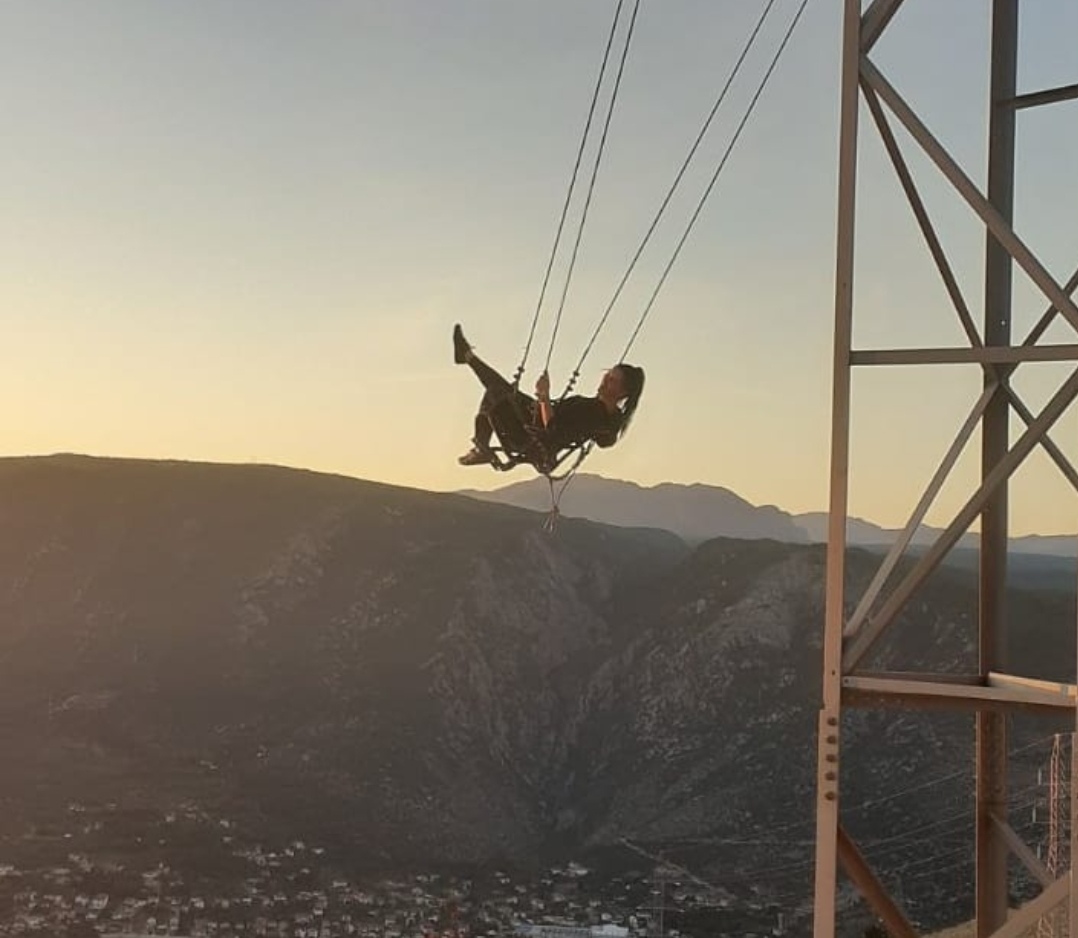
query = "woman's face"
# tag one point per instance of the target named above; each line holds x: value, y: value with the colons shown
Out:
x: 612, y: 384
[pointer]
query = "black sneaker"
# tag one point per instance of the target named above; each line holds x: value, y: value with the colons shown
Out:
x: 475, y: 457
x: 461, y: 348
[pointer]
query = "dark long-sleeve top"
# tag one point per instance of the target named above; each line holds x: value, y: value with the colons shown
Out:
x: 577, y: 419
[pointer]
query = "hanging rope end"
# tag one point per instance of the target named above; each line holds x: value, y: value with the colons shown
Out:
x: 551, y: 522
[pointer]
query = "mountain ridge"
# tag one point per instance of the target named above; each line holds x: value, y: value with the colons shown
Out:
x: 697, y: 511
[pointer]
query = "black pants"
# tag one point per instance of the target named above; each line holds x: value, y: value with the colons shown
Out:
x: 503, y: 409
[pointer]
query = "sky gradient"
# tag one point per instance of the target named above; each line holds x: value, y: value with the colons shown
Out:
x: 242, y: 232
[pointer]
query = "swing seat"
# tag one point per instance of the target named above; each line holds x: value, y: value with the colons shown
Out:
x: 520, y: 440
x: 505, y: 458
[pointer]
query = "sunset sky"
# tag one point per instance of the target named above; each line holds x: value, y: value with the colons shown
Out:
x: 243, y: 231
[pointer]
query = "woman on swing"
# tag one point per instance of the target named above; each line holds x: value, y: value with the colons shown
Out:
x: 540, y: 428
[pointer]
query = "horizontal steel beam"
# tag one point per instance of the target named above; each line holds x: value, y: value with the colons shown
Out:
x: 1049, y: 96
x: 930, y: 677
x: 867, y: 700
x: 957, y: 696
x: 997, y: 354
x: 1064, y: 691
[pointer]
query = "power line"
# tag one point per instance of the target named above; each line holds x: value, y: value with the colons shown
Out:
x: 783, y: 872
x: 870, y: 802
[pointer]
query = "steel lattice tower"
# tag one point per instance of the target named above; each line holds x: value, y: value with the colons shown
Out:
x: 993, y: 692
x: 1049, y: 925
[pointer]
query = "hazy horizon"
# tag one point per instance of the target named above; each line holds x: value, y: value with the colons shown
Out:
x: 244, y: 236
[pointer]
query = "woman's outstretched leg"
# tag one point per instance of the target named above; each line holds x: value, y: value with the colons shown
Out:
x: 496, y: 387
x: 503, y: 407
x: 463, y: 355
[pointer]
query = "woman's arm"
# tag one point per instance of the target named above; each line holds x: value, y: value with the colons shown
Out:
x: 542, y: 394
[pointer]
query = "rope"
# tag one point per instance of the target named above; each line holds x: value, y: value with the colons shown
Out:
x: 569, y: 193
x: 673, y: 188
x: 711, y: 185
x: 555, y: 497
x: 551, y: 521
x: 591, y: 183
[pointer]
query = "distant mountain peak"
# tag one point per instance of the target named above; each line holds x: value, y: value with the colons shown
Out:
x: 695, y: 511
x: 698, y: 511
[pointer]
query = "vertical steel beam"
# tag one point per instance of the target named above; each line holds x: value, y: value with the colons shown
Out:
x: 1072, y: 905
x: 828, y: 740
x: 1072, y: 900
x: 992, y: 851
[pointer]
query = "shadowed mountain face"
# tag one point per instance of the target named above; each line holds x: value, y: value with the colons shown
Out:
x: 365, y: 662
x: 413, y: 678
